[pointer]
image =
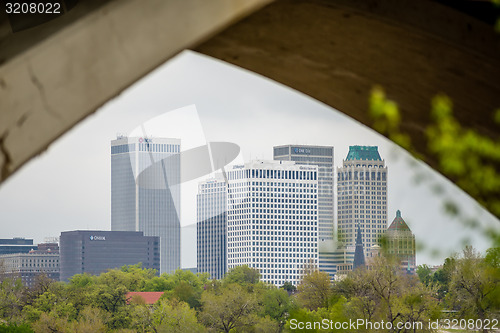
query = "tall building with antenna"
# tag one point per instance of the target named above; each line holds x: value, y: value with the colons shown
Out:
x: 145, y: 192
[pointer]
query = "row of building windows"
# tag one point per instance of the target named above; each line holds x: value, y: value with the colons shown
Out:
x: 347, y: 175
x: 273, y: 174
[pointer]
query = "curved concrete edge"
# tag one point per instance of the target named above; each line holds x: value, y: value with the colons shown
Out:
x: 56, y: 83
x: 337, y: 51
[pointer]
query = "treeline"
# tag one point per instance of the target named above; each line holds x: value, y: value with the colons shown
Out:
x: 467, y: 287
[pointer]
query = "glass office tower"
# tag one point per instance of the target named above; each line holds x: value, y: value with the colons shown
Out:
x: 322, y: 156
x: 145, y: 192
x: 211, y: 227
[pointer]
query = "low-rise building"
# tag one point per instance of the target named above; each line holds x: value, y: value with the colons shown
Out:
x: 94, y: 252
x: 29, y: 266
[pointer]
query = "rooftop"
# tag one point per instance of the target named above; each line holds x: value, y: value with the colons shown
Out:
x: 399, y: 224
x: 149, y: 297
x: 363, y: 153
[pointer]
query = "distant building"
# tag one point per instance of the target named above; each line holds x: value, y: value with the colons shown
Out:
x: 401, y: 243
x: 16, y: 245
x: 145, y: 192
x: 362, y: 196
x: 343, y: 270
x: 337, y: 261
x: 211, y: 206
x: 94, y: 252
x: 272, y: 219
x: 28, y: 266
x: 46, y: 248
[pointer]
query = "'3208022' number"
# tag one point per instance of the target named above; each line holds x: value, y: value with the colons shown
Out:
x: 470, y: 324
x: 32, y: 8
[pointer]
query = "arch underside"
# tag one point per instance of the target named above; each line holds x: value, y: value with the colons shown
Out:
x: 334, y: 51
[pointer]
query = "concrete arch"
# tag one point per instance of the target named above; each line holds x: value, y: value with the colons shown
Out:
x: 54, y: 75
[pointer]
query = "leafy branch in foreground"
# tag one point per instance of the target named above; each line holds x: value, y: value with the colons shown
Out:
x: 465, y: 156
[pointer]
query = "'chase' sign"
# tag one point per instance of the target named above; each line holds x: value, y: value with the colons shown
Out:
x: 97, y: 238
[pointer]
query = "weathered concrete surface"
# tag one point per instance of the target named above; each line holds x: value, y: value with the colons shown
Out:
x: 51, y: 81
x: 336, y: 51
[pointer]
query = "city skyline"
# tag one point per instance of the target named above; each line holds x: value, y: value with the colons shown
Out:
x: 67, y: 189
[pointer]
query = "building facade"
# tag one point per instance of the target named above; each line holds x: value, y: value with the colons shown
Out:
x: 323, y: 157
x: 16, y: 245
x: 211, y: 206
x: 29, y: 266
x: 362, y: 197
x: 145, y: 192
x: 272, y: 219
x: 94, y: 252
x: 330, y: 262
x: 401, y: 244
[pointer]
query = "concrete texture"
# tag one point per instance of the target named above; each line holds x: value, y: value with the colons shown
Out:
x: 337, y: 51
x: 67, y: 70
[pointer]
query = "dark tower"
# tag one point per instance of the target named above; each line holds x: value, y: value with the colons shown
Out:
x: 359, y: 257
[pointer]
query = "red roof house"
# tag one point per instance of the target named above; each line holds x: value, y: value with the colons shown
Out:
x: 149, y: 297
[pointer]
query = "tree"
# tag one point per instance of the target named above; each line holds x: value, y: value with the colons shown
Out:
x: 185, y: 286
x: 91, y: 320
x: 424, y: 274
x: 362, y: 298
x: 53, y: 301
x: 277, y: 306
x: 14, y: 328
x: 10, y: 297
x: 314, y: 290
x: 469, y: 159
x: 167, y: 316
x: 242, y: 275
x: 228, y: 308
x: 289, y: 287
x: 474, y: 286
x: 50, y: 323
x: 384, y: 292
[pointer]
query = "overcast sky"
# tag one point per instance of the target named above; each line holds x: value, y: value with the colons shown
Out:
x: 68, y: 186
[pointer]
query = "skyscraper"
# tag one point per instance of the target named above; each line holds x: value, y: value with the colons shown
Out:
x: 401, y: 243
x: 322, y: 156
x: 145, y: 192
x: 211, y: 227
x: 362, y: 196
x: 272, y: 219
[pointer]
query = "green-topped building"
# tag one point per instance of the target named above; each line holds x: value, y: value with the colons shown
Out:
x: 362, y: 197
x: 401, y: 243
